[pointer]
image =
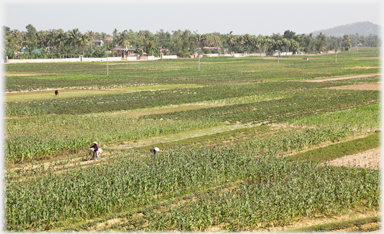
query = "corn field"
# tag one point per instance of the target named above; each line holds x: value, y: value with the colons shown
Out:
x: 228, y: 136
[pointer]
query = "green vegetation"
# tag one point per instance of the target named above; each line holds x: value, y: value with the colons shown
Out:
x: 239, y: 143
x: 356, y: 224
x: 126, y: 183
x: 338, y: 150
x: 72, y: 43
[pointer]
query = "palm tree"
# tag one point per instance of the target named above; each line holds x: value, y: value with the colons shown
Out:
x: 123, y: 38
x: 51, y: 37
x: 18, y: 37
x: 347, y: 42
x: 115, y: 34
x: 91, y: 37
x: 295, y: 46
x: 278, y: 44
x: 240, y: 41
x: 268, y: 43
x: 103, y: 37
x: 231, y: 40
x: 286, y: 43
x: 321, y: 41
x: 61, y: 40
x: 74, y: 37
x: 42, y: 37
x: 260, y: 42
x: 83, y: 41
x: 215, y: 40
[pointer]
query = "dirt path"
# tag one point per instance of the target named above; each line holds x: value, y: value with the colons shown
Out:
x: 367, y: 159
x: 368, y: 86
x: 341, y: 78
x: 320, y: 221
x: 31, y: 74
x: 180, y: 136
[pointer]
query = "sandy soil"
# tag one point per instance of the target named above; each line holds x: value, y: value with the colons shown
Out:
x: 367, y: 159
x: 362, y: 67
x: 368, y: 86
x: 35, y: 74
x: 322, y: 220
x: 342, y: 78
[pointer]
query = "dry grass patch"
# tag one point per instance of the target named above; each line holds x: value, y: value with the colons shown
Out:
x: 362, y: 67
x: 368, y: 86
x: 367, y: 159
x: 49, y: 94
x: 341, y: 78
x: 353, y: 215
x: 29, y: 74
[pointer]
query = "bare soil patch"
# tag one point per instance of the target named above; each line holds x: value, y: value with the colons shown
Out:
x: 325, y: 220
x: 362, y: 67
x: 367, y: 159
x: 29, y: 74
x: 341, y: 78
x: 368, y: 86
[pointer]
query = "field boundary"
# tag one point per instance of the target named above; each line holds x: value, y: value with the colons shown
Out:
x: 341, y: 78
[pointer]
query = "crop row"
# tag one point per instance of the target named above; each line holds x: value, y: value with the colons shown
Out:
x: 127, y: 183
x: 30, y: 138
x: 145, y: 99
x: 49, y: 135
x: 363, y: 118
x: 213, y: 70
x: 307, y: 103
x: 289, y: 192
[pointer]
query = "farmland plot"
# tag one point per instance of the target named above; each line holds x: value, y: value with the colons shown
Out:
x: 243, y: 143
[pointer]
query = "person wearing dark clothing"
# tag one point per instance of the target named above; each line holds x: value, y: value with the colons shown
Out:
x: 154, y: 150
x: 95, y: 150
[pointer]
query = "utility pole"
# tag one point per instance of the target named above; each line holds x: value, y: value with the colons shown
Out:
x: 199, y: 60
x: 336, y: 57
x: 107, y: 52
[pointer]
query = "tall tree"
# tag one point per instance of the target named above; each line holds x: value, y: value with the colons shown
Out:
x: 286, y: 43
x: 91, y: 38
x: 51, y: 38
x: 61, y: 40
x: 289, y: 35
x: 31, y: 37
x: 123, y: 38
x: 19, y: 38
x: 42, y: 38
x: 347, y: 42
x: 148, y: 46
x: 320, y: 42
x: 294, y: 46
x: 74, y: 37
x: 83, y: 40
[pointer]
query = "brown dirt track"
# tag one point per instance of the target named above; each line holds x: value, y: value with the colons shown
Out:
x: 342, y: 78
x: 367, y: 159
x: 368, y: 86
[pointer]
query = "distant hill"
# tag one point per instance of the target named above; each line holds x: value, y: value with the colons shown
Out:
x: 362, y: 28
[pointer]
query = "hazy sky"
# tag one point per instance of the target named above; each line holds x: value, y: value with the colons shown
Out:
x: 240, y: 16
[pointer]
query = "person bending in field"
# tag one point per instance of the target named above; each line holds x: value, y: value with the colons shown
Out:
x: 56, y: 92
x: 95, y: 151
x: 154, y: 150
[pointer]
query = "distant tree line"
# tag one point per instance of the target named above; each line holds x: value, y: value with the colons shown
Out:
x: 72, y: 43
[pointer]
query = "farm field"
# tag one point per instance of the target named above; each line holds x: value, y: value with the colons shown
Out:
x: 246, y: 144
